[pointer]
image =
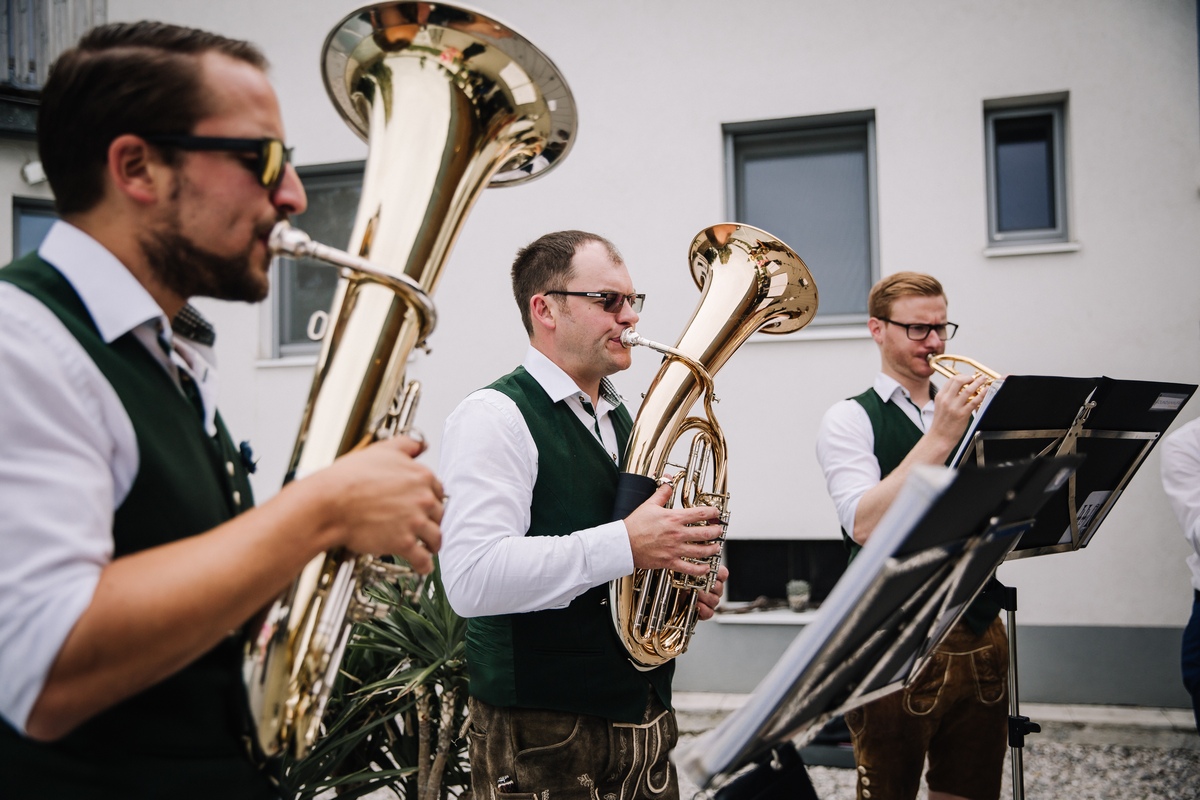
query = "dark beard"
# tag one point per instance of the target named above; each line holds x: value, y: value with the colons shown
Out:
x: 189, y: 270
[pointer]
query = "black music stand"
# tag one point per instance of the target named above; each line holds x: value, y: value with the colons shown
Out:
x: 1113, y: 424
x: 930, y: 555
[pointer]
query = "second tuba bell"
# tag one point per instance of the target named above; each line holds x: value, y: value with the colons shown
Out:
x: 750, y: 281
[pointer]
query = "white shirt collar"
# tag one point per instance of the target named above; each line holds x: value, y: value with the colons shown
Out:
x: 118, y: 304
x: 559, y: 385
x: 889, y: 388
x: 113, y: 297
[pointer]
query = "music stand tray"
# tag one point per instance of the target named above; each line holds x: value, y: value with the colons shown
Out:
x: 1113, y: 423
x: 930, y: 555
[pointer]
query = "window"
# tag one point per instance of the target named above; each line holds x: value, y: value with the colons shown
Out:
x: 31, y: 222
x: 811, y: 183
x: 306, y: 287
x: 1026, y: 174
x: 32, y: 34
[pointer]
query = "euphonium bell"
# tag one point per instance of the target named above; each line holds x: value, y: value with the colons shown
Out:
x: 750, y: 281
x: 449, y: 102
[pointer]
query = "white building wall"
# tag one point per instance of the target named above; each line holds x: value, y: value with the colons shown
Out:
x: 654, y: 81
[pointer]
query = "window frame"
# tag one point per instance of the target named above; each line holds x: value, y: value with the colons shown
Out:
x: 776, y: 132
x: 1015, y: 109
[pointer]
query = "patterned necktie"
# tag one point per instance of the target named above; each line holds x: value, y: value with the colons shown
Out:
x: 186, y: 382
x: 587, y: 406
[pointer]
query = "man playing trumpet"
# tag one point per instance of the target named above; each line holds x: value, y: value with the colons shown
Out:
x: 955, y: 711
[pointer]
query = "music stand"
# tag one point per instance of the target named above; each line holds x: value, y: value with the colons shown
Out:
x: 1113, y: 424
x: 930, y: 555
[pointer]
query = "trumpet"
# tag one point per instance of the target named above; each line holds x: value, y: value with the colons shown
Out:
x: 944, y: 365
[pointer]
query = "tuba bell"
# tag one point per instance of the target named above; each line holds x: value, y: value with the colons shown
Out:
x: 750, y: 281
x: 449, y: 102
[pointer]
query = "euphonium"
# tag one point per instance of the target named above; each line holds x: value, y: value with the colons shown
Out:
x: 750, y: 281
x: 449, y: 102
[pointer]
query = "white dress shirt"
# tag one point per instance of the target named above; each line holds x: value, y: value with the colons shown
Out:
x: 1181, y: 481
x: 68, y: 454
x: 489, y: 465
x: 846, y: 446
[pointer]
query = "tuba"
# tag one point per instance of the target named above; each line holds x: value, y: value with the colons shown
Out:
x: 750, y: 281
x: 449, y: 102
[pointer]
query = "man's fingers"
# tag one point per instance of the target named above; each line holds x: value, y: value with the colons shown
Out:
x: 690, y: 516
x: 690, y: 567
x: 407, y: 445
x: 420, y: 560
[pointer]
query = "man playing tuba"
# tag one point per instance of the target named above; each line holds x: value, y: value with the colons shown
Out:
x: 132, y: 553
x: 532, y: 461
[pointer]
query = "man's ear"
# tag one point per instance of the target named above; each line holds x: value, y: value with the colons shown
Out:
x: 135, y: 170
x: 875, y: 326
x: 542, y: 314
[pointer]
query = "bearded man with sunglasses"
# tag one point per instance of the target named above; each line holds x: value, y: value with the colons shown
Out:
x: 532, y: 461
x: 132, y: 553
x: 955, y: 712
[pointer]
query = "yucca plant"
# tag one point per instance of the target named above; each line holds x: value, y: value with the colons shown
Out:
x: 396, y: 715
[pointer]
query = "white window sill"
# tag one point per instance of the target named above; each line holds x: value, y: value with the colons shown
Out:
x: 1031, y: 249
x: 774, y: 616
x: 285, y: 362
x: 812, y: 334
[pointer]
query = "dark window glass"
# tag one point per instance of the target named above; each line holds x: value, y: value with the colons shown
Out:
x: 307, y: 286
x: 31, y: 222
x: 811, y: 188
x: 1025, y: 173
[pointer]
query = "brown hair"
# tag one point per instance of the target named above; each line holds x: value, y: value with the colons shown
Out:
x: 545, y: 265
x: 898, y: 285
x: 127, y: 77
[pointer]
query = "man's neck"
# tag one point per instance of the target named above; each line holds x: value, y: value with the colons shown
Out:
x: 591, y: 388
x: 119, y: 238
x: 917, y: 389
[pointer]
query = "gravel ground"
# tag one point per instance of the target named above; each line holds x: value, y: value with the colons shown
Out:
x: 1066, y: 761
x: 1082, y: 772
x: 1079, y: 762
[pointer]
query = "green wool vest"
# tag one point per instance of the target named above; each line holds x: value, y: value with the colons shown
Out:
x: 895, y: 435
x: 567, y: 659
x: 182, y: 738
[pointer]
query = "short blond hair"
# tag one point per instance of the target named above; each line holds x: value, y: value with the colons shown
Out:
x: 898, y: 285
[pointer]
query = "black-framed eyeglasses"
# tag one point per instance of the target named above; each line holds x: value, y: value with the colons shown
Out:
x: 919, y: 332
x: 271, y: 156
x: 612, y: 300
